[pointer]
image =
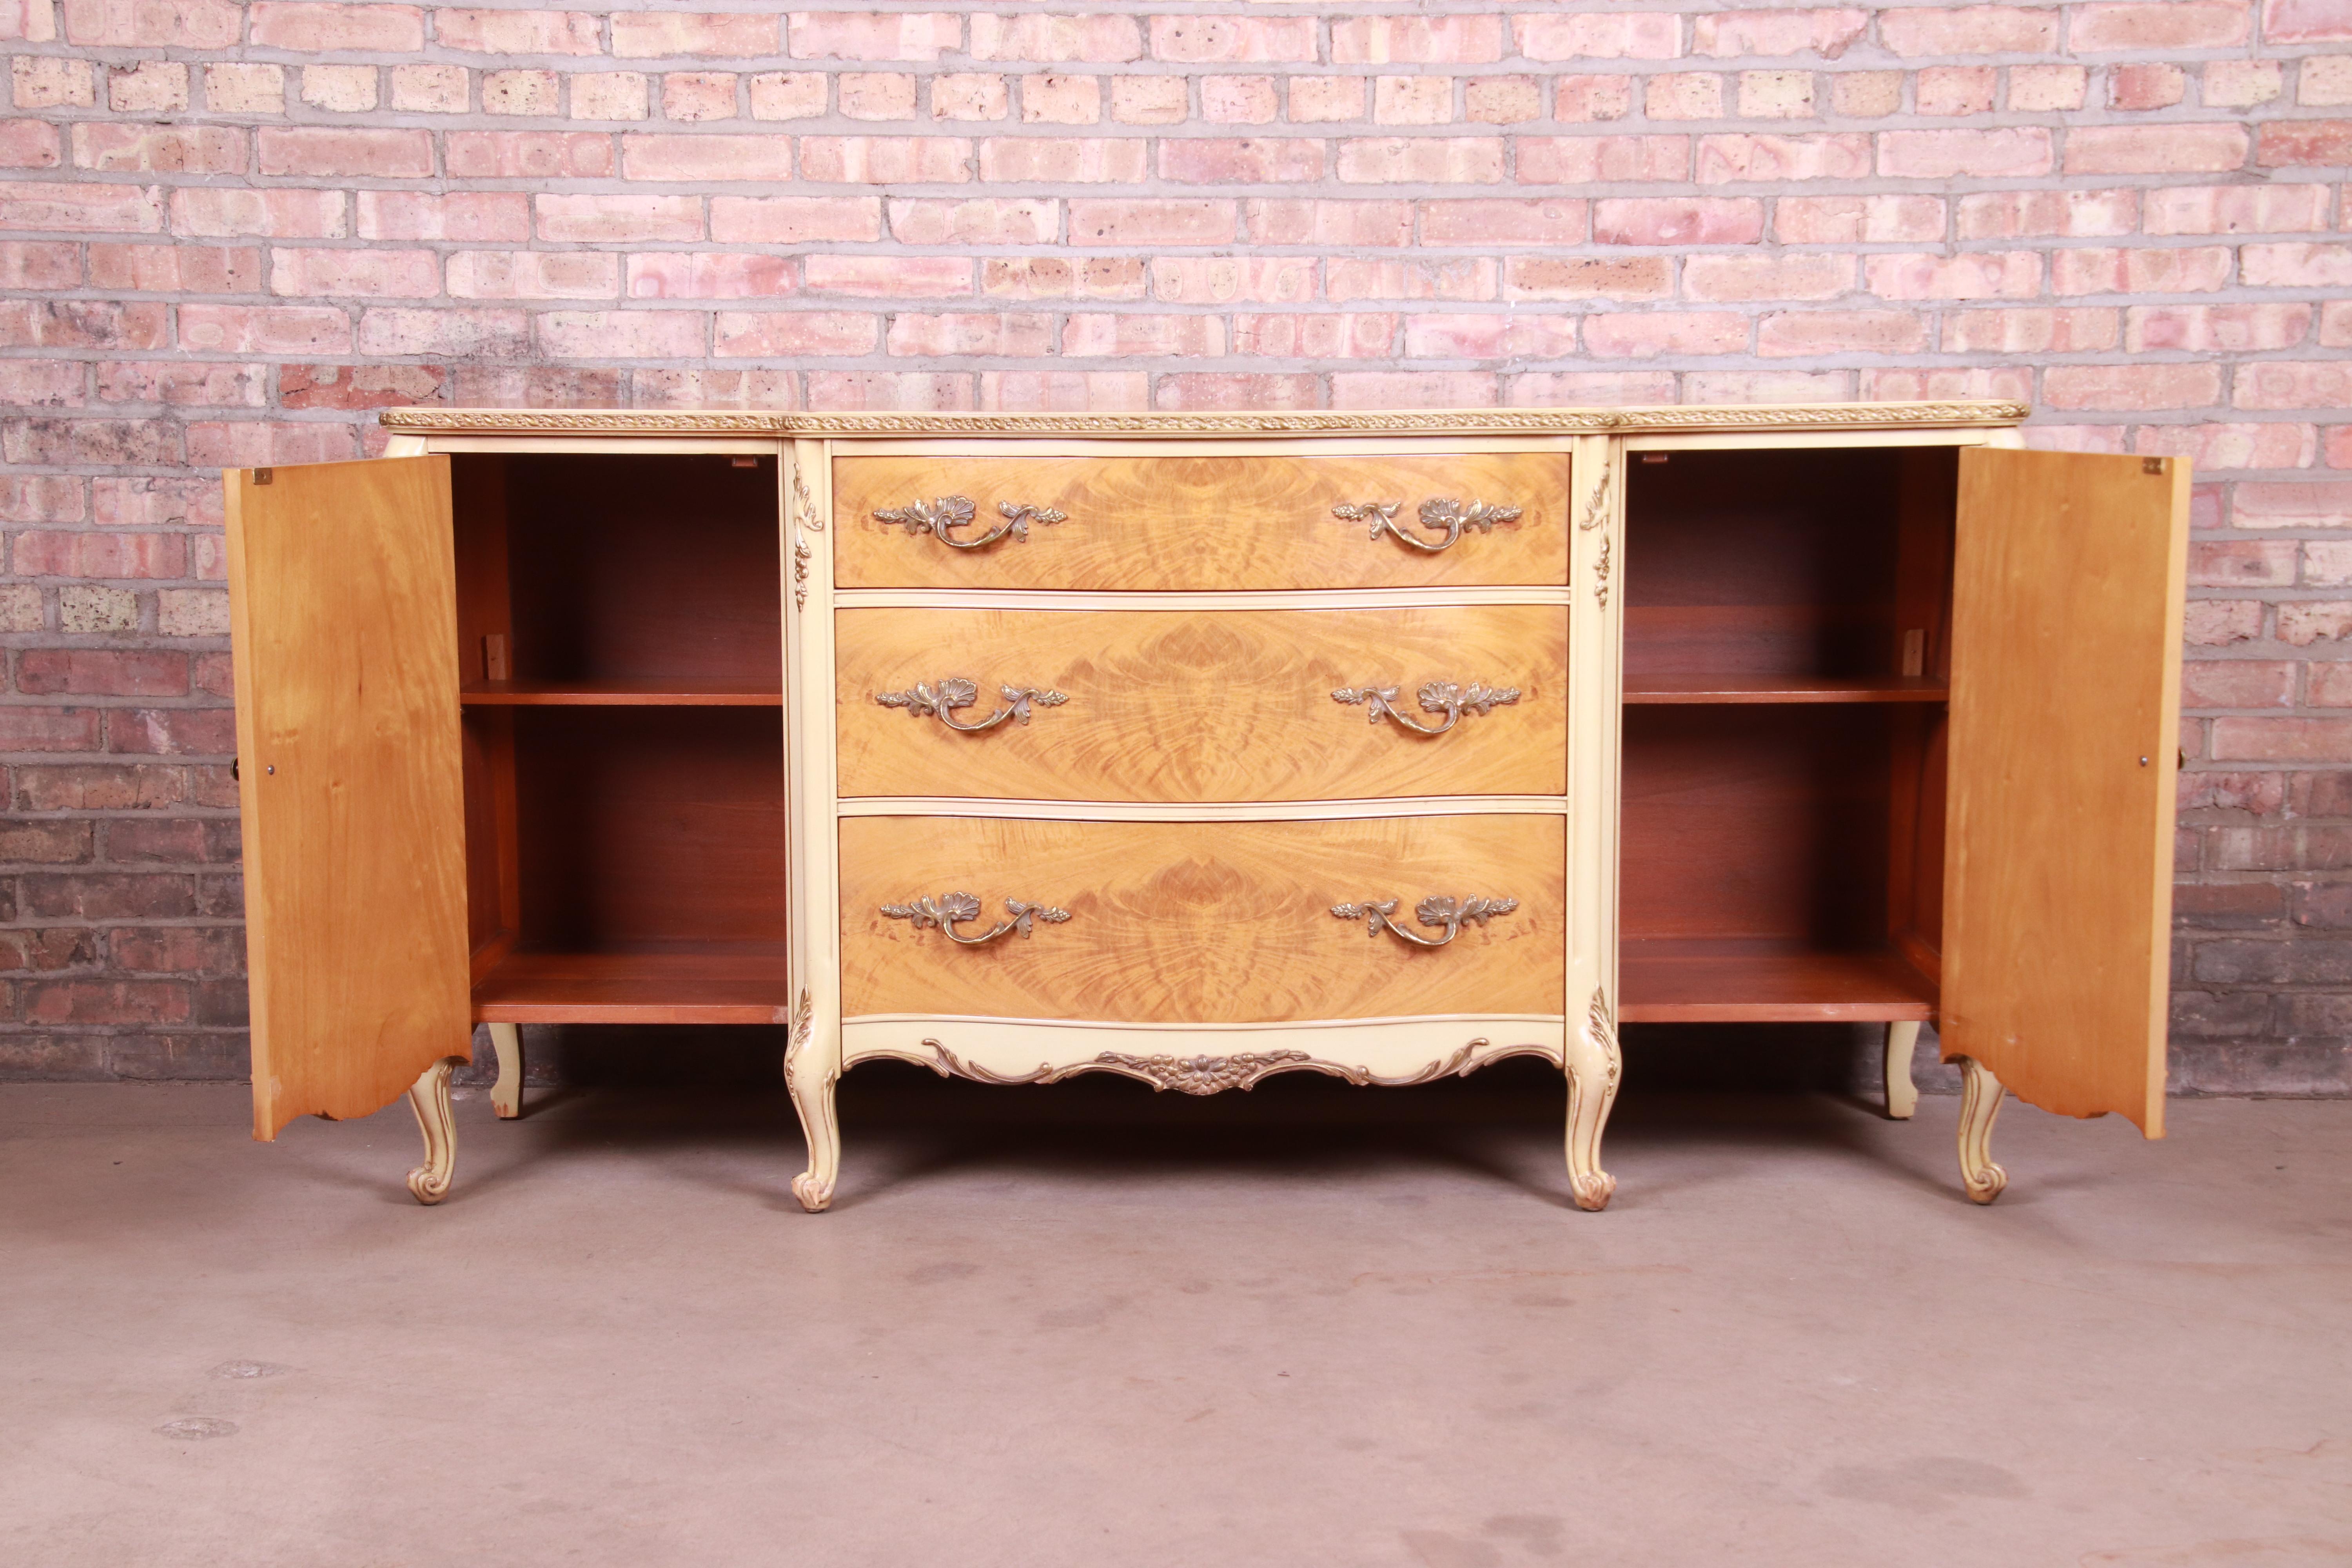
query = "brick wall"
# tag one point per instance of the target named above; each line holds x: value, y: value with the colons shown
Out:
x: 229, y: 232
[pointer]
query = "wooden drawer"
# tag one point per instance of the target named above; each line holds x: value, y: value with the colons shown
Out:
x: 1200, y: 523
x: 1202, y: 922
x: 1204, y: 705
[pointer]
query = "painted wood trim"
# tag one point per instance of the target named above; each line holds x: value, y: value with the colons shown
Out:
x: 1390, y: 423
x: 1149, y: 599
x: 1458, y: 1043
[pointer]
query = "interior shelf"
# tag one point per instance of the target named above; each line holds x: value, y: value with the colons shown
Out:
x: 1719, y: 981
x: 612, y: 694
x: 713, y: 983
x: 1785, y: 689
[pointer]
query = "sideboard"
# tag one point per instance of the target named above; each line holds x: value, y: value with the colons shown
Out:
x: 1198, y: 748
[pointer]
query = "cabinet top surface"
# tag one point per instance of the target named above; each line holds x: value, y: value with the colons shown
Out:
x: 1331, y: 422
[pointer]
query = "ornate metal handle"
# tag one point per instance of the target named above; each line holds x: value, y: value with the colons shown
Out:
x: 1433, y: 911
x: 949, y: 697
x: 1437, y: 697
x: 945, y: 912
x: 936, y: 517
x: 1443, y: 513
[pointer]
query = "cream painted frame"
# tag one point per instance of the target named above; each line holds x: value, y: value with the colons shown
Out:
x: 1601, y: 442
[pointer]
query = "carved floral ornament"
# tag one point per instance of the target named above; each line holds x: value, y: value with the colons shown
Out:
x: 1431, y: 422
x: 1242, y: 1070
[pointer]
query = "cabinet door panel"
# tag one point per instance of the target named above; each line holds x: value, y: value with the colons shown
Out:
x: 2067, y: 610
x: 344, y: 618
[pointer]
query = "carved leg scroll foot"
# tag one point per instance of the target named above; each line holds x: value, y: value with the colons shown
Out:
x: 810, y: 1074
x: 1902, y: 1094
x: 1979, y: 1103
x: 1594, y: 1063
x: 429, y: 1098
x: 506, y: 1095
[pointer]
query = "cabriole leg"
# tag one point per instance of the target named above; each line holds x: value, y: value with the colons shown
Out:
x: 1594, y: 1065
x: 1979, y: 1103
x: 1902, y: 1094
x: 812, y: 1068
x: 429, y: 1098
x: 506, y: 1095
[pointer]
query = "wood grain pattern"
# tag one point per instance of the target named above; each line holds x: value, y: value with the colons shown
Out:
x: 1703, y: 981
x: 344, y: 610
x: 2067, y: 608
x: 1201, y: 524
x: 1204, y: 922
x: 1203, y: 706
x: 711, y: 983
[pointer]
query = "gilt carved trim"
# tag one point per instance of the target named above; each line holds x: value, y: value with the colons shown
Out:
x: 1242, y: 1070
x: 1429, y: 422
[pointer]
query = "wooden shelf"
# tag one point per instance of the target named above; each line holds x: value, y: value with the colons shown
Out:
x: 718, y: 983
x: 1728, y: 982
x: 616, y: 694
x: 1720, y: 688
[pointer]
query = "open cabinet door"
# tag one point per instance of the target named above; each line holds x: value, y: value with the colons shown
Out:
x: 2067, y: 588
x: 344, y: 623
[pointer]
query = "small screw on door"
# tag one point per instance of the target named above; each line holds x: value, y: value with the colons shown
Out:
x: 2143, y: 762
x: 263, y: 476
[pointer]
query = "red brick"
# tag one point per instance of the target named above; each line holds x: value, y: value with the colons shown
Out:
x: 1591, y: 98
x: 530, y: 155
x: 1586, y: 160
x: 1339, y: 225
x: 1975, y: 275
x: 911, y: 277
x: 1848, y: 220
x: 1104, y: 40
x: 45, y: 843
x: 148, y: 501
x: 2241, y: 563
x: 2074, y: 215
x: 454, y: 333
x: 107, y: 786
x: 176, y: 950
x: 2076, y: 330
x: 1970, y: 30
x: 476, y: 217
x: 2146, y: 85
x: 775, y: 334
x: 1728, y: 35
x: 2304, y: 503
x: 2282, y: 739
x: 1416, y: 40
x: 1460, y: 335
x: 185, y: 383
x: 2216, y: 329
x: 886, y: 160
x: 1779, y: 159
x: 2154, y: 149
x: 155, y: 24
x: 1348, y: 278
x: 1250, y: 161
x: 517, y: 32
x: 282, y: 213
x: 1554, y: 220
x: 62, y: 947
x: 245, y: 443
x: 338, y: 28
x: 607, y: 219
x: 1632, y: 334
x: 2236, y: 209
x: 2325, y: 385
x: 711, y: 275
x: 130, y: 148
x: 1153, y: 222
x: 364, y: 273
x: 1066, y: 160
x: 2296, y: 264
x: 1954, y: 90
x: 534, y: 275
x: 106, y: 1001
x: 1232, y: 39
x: 1631, y: 278
x: 82, y: 208
x: 703, y: 157
x: 1636, y: 35
x: 179, y: 268
x: 2253, y: 443
x: 650, y: 34
x: 1434, y: 160
x: 265, y: 328
x: 1212, y: 392
x: 1085, y: 335
x: 102, y: 673
x: 1678, y: 220
x: 1793, y: 334
x: 873, y: 35
x: 39, y: 264
x: 2306, y: 21
x: 360, y: 385
x: 621, y: 334
x: 336, y: 151
x: 1767, y: 278
x: 1219, y: 280
x: 28, y: 145
x: 40, y: 497
x: 2173, y: 25
x: 43, y: 384
x: 1391, y: 389
x: 2139, y: 387
x: 117, y: 555
x: 965, y: 332
x: 2099, y: 270
x: 855, y: 389
x: 794, y: 220
x: 108, y: 896
x: 977, y: 220
x: 48, y: 729
x: 2023, y: 150
x: 2237, y: 683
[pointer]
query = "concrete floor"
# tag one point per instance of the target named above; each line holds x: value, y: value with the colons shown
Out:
x: 1315, y: 1325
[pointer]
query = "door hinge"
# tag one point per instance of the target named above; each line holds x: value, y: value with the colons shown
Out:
x: 2151, y: 465
x: 263, y: 476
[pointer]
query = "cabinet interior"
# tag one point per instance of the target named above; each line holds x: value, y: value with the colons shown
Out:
x: 620, y: 639
x: 1786, y: 667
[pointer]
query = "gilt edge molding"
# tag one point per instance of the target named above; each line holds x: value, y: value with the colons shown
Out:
x: 1411, y: 422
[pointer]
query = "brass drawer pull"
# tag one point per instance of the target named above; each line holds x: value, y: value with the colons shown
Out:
x: 936, y: 517
x: 1433, y: 911
x: 1437, y: 697
x: 949, y: 697
x: 946, y: 912
x: 1443, y: 513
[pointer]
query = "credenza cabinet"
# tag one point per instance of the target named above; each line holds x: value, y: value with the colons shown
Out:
x: 1196, y: 748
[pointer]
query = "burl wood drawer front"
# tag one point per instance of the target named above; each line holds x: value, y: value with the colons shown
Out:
x: 1202, y: 922
x: 1206, y: 523
x: 1204, y: 705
